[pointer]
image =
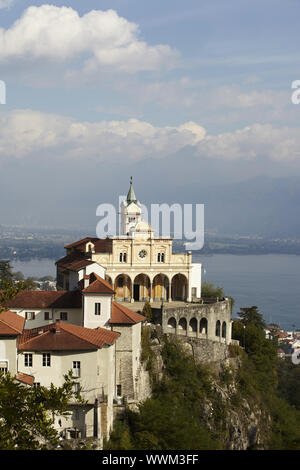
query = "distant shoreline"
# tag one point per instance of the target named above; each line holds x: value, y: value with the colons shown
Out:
x: 194, y: 252
x: 25, y: 247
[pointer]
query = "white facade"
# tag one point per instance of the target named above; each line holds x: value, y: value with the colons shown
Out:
x: 195, y: 281
x: 94, y: 377
x: 74, y: 277
x: 37, y: 317
x: 8, y: 354
x: 139, y: 265
x: 92, y: 303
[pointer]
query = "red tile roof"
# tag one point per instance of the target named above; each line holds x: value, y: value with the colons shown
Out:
x: 98, y: 285
x: 45, y: 299
x: 101, y: 245
x: 25, y: 378
x: 65, y: 337
x: 11, y: 324
x: 81, y: 242
x: 73, y: 262
x: 123, y: 315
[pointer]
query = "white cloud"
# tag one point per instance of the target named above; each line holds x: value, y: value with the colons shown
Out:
x: 26, y: 132
x: 252, y: 142
x: 100, y: 38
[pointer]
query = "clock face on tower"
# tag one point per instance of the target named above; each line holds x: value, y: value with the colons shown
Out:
x: 142, y: 253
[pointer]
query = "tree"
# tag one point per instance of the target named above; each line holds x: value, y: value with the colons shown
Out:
x: 259, y: 372
x: 18, y: 276
x: 6, y: 274
x: 208, y: 290
x: 251, y: 316
x: 47, y: 278
x: 9, y: 288
x: 29, y: 284
x: 172, y: 417
x: 27, y: 413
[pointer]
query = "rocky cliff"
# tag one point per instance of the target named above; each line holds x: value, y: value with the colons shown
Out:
x: 240, y: 423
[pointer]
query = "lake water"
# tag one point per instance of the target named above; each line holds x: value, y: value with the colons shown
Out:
x: 271, y: 282
x: 35, y: 267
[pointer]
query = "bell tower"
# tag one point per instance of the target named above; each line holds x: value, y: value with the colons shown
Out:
x: 130, y: 212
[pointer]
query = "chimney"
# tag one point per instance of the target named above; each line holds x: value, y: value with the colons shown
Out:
x: 56, y: 327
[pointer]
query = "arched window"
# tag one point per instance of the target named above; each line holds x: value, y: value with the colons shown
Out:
x: 172, y: 323
x: 203, y: 326
x: 179, y: 287
x: 224, y: 329
x: 193, y: 325
x: 218, y: 328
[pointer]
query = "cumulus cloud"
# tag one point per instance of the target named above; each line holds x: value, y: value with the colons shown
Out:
x: 103, y: 38
x: 27, y: 132
x: 252, y: 142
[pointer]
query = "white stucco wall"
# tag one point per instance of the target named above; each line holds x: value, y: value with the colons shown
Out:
x: 76, y: 276
x: 90, y: 319
x: 195, y: 279
x: 8, y: 353
x: 74, y: 316
x: 94, y: 268
x: 97, y: 376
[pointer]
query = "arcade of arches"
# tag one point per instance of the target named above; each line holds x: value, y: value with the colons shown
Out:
x: 195, y: 327
x: 142, y: 288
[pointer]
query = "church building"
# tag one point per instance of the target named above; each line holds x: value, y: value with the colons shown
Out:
x: 139, y: 265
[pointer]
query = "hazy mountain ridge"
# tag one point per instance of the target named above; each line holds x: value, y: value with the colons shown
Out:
x: 240, y: 196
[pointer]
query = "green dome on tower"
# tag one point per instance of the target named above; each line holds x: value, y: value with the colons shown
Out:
x: 131, y: 195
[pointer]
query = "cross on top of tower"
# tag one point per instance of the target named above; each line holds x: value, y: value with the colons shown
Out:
x: 131, y: 195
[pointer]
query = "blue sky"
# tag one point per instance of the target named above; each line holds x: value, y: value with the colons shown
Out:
x: 122, y: 82
x: 247, y: 47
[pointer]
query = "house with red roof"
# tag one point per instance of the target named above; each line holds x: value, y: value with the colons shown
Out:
x: 40, y: 308
x: 48, y: 353
x: 11, y: 327
x: 72, y: 268
x: 97, y: 339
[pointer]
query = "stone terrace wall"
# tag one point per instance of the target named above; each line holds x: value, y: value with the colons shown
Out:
x: 205, y: 350
x: 199, y: 321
